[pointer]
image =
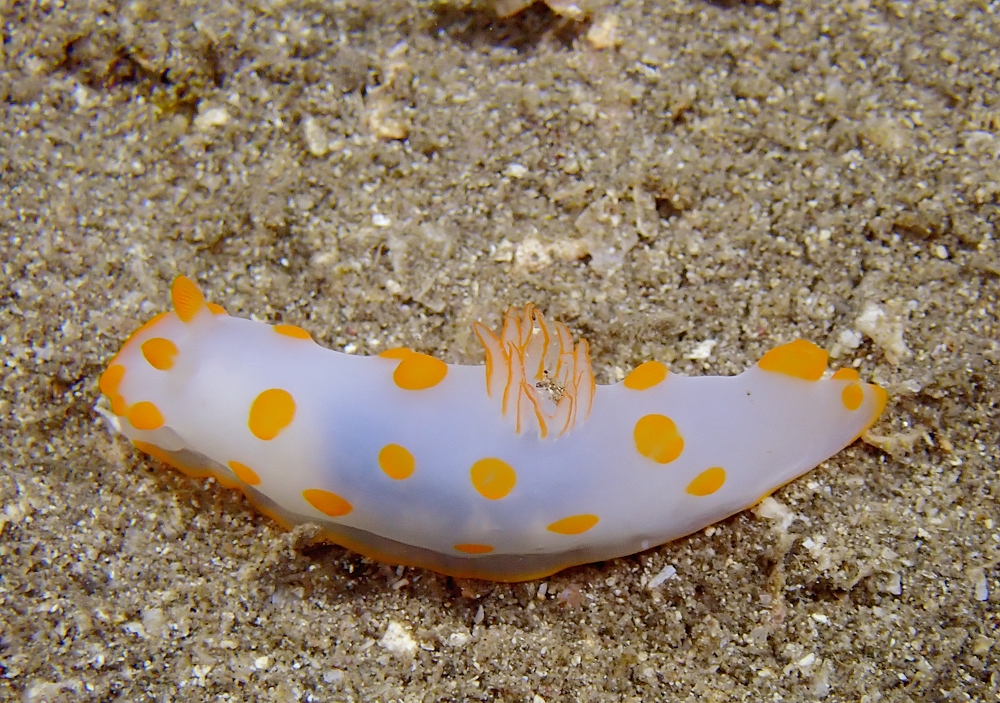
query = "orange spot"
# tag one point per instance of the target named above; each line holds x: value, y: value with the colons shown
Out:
x: 159, y: 352
x: 216, y: 309
x: 881, y: 398
x: 417, y: 372
x: 846, y: 375
x: 271, y: 412
x: 799, y: 359
x: 396, y: 353
x: 244, y: 473
x: 707, y: 482
x: 852, y: 396
x: 396, y: 461
x: 646, y: 376
x: 327, y: 502
x: 574, y: 524
x: 474, y: 548
x: 292, y: 331
x: 145, y: 416
x: 111, y: 379
x: 656, y: 437
x: 187, y: 299
x: 118, y: 405
x: 493, y: 478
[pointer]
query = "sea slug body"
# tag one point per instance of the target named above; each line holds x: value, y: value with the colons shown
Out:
x: 508, y: 473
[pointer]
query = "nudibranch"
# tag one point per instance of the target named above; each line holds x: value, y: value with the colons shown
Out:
x: 509, y: 473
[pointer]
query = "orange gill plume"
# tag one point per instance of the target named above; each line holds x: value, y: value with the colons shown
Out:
x: 545, y: 382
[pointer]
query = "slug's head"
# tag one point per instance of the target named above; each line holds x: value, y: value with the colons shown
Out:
x: 152, y: 348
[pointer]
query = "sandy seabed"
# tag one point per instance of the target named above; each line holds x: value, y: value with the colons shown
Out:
x: 689, y: 181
